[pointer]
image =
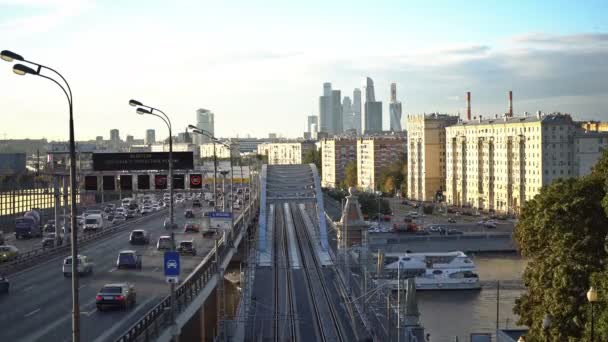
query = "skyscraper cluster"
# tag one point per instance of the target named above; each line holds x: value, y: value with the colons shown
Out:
x: 356, y: 114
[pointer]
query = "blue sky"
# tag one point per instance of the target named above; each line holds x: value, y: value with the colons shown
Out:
x: 260, y: 66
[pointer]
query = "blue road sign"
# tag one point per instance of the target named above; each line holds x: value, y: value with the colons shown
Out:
x: 171, y: 264
x: 219, y: 214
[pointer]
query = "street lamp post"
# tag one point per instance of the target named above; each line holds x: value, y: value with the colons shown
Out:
x: 592, y: 298
x: 21, y: 69
x: 141, y: 110
x: 213, y: 140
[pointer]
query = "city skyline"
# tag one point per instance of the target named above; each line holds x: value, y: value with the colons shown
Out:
x: 551, y: 62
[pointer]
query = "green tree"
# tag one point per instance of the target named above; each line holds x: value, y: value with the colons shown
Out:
x: 350, y: 174
x: 313, y: 156
x: 396, y: 172
x: 562, y: 232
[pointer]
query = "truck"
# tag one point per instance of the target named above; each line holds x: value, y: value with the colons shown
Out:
x: 93, y: 222
x: 28, y: 225
x: 407, y: 227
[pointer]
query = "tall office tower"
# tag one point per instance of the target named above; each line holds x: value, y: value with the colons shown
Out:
x: 150, y: 137
x: 312, y: 119
x: 395, y: 110
x: 336, y: 104
x: 204, y: 121
x: 114, y: 136
x: 347, y: 114
x: 130, y: 139
x: 372, y: 109
x: 357, y: 110
x: 326, y: 110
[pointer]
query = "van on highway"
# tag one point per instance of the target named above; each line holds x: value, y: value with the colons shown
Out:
x: 93, y: 222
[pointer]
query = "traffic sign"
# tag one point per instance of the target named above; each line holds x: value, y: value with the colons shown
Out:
x: 219, y: 214
x: 172, y: 266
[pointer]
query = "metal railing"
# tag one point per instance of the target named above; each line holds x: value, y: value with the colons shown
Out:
x: 34, y: 256
x: 158, y: 319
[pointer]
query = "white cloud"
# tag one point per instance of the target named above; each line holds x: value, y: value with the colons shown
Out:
x: 48, y: 15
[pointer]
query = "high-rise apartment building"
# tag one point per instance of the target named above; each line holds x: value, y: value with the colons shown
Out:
x: 500, y: 163
x: 357, y: 110
x: 150, y: 137
x: 205, y: 120
x: 311, y: 120
x: 347, y: 114
x: 114, y: 136
x: 335, y: 154
x: 372, y: 109
x: 207, y: 150
x: 288, y: 152
x: 395, y: 110
x: 426, y: 136
x: 130, y: 139
x: 374, y: 153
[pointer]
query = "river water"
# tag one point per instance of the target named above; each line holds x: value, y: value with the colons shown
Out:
x: 450, y: 314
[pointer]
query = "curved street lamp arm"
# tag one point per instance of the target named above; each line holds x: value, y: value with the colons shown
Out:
x: 164, y: 120
x: 57, y: 73
x: 163, y: 113
x: 60, y: 86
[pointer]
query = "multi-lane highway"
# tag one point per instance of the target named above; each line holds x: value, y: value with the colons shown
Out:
x: 38, y: 307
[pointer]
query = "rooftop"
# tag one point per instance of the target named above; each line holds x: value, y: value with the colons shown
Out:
x: 545, y: 118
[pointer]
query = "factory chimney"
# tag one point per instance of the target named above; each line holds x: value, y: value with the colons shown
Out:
x: 510, y: 103
x: 468, y: 105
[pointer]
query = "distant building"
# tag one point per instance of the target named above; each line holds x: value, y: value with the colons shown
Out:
x: 374, y: 153
x: 307, y: 136
x: 311, y: 120
x: 335, y: 154
x: 184, y: 137
x: 11, y: 163
x: 115, y: 137
x: 205, y: 120
x: 336, y: 104
x: 347, y: 114
x: 150, y: 137
x: 594, y: 126
x: 357, y: 110
x: 326, y: 123
x: 248, y: 145
x: 372, y: 109
x: 223, y: 152
x: 288, y: 152
x: 177, y: 147
x: 314, y: 132
x: 500, y: 163
x: 130, y: 139
x: 395, y: 110
x: 272, y: 136
x: 426, y: 140
x: 140, y: 148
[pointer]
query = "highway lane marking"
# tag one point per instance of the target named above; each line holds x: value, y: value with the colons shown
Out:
x: 81, y: 286
x: 28, y: 288
x: 115, y: 327
x: 32, y: 313
x: 156, y: 269
x: 90, y: 312
x: 112, y: 270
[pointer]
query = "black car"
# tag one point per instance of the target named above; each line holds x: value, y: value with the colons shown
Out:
x: 120, y: 295
x: 186, y: 247
x: 197, y: 203
x: 128, y: 259
x: 130, y: 214
x: 139, y: 237
x: 4, y: 284
x: 49, y: 241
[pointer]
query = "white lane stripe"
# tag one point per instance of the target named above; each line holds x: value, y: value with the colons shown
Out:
x: 32, y: 313
x: 138, y: 307
x: 112, y: 270
x: 28, y: 288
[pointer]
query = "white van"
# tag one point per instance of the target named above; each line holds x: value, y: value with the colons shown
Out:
x: 93, y: 222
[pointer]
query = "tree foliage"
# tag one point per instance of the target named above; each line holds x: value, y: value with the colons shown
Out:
x: 562, y: 231
x: 350, y: 174
x: 314, y: 156
x: 393, y: 177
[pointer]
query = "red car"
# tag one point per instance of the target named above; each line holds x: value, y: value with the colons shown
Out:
x: 191, y: 227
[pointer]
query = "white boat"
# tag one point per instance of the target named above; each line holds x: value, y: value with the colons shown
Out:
x: 433, y: 271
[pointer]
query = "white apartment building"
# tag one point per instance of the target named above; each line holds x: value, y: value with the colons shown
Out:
x: 281, y: 153
x: 177, y: 147
x: 335, y: 154
x: 498, y: 164
x: 426, y: 154
x: 222, y: 151
x: 375, y: 153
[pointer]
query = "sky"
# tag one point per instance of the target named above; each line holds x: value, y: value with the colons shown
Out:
x: 260, y: 65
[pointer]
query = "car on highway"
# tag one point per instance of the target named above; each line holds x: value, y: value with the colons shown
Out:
x: 164, y: 242
x: 129, y: 259
x: 196, y: 203
x: 84, y: 265
x: 455, y: 232
x: 167, y: 224
x: 49, y: 226
x: 189, y: 213
x: 120, y: 295
x: 4, y: 284
x: 49, y: 240
x: 147, y: 209
x: 191, y: 227
x: 451, y: 220
x: 130, y: 214
x: 8, y: 253
x: 118, y: 219
x: 139, y: 237
x: 186, y: 247
x: 156, y: 206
